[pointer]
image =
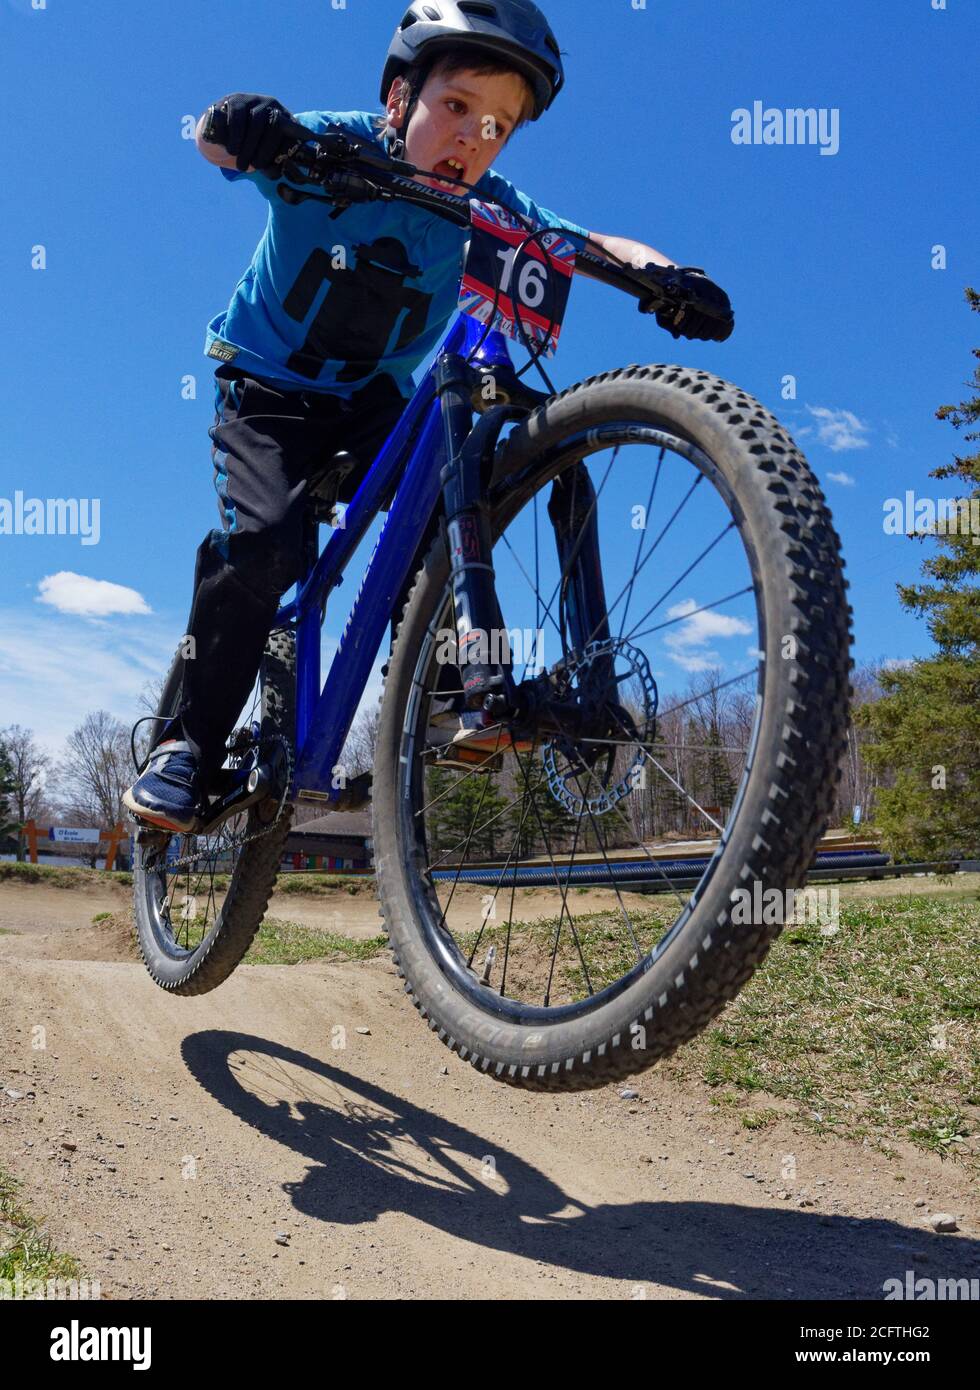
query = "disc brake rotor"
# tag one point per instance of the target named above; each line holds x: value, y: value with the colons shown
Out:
x: 566, y: 758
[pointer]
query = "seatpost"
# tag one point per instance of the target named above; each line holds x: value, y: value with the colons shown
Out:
x: 480, y: 634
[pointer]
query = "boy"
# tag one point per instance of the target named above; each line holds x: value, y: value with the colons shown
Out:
x: 315, y: 360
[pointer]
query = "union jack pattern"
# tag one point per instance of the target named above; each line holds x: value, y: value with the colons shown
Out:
x: 492, y: 225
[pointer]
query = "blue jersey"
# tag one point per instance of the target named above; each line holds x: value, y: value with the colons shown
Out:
x: 332, y: 298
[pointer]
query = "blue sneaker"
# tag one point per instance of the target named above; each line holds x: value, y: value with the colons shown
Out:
x: 167, y: 793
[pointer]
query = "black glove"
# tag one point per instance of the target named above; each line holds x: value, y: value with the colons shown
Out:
x: 705, y: 311
x: 250, y: 127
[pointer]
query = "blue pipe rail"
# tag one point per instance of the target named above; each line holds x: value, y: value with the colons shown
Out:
x: 637, y: 871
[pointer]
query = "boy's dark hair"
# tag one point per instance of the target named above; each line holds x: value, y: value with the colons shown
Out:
x: 447, y: 65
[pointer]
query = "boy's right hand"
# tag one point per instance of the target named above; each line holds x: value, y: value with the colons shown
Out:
x: 249, y: 127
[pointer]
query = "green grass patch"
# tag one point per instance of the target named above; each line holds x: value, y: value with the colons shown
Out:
x: 316, y: 885
x: 25, y: 1248
x: 871, y: 1032
x: 758, y: 1119
x: 868, y: 1033
x: 288, y: 943
x: 52, y: 875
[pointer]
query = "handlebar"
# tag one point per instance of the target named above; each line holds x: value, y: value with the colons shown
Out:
x: 352, y: 170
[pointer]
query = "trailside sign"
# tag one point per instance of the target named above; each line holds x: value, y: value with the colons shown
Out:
x: 70, y: 836
x: 534, y: 281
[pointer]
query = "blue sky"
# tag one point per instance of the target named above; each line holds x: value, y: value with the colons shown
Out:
x: 827, y: 260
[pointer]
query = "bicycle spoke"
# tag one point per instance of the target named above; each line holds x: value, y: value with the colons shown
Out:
x: 664, y: 714
x: 683, y: 617
x: 469, y: 837
x: 561, y: 919
x: 599, y: 841
x: 551, y: 858
x: 531, y: 586
x: 436, y: 863
x: 659, y: 766
x: 639, y: 543
x: 659, y: 743
x: 680, y: 579
x: 500, y: 879
x: 566, y: 569
x: 513, y: 892
x: 477, y: 767
x: 611, y: 608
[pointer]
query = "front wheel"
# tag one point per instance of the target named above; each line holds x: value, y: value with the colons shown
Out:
x: 548, y: 921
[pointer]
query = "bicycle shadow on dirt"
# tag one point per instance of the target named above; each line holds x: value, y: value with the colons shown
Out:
x: 373, y: 1151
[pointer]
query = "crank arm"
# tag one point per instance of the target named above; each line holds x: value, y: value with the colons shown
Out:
x: 250, y: 785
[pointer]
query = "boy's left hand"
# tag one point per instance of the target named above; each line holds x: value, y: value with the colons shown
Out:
x: 708, y: 314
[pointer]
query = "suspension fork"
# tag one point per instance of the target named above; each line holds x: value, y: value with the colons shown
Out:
x: 481, y: 639
x: 573, y: 510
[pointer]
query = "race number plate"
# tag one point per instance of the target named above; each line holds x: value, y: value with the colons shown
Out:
x: 534, y: 284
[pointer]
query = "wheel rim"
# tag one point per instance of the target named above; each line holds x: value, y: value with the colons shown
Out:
x: 574, y: 965
x: 183, y: 901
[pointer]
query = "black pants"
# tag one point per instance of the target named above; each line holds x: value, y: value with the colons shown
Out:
x: 266, y: 444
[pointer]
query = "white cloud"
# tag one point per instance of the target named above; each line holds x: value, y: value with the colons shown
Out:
x: 691, y: 662
x: 688, y: 643
x: 89, y: 598
x: 839, y: 429
x: 55, y: 670
x: 844, y: 479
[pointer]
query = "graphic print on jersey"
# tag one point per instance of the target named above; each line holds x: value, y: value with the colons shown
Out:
x: 357, y: 317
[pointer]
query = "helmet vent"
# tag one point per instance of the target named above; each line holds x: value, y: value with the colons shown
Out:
x: 409, y: 19
x: 479, y: 8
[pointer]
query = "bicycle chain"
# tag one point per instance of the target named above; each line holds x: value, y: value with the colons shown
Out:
x: 238, y: 841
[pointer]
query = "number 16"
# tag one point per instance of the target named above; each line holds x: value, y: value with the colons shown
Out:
x: 530, y: 282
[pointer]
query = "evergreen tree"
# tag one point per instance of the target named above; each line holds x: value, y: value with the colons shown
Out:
x: 8, y: 786
x: 547, y: 824
x: 467, y: 809
x: 926, y: 728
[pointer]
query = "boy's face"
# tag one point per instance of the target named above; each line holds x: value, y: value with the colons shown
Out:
x: 452, y: 120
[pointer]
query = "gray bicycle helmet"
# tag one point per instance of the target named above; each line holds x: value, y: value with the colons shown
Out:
x: 514, y: 30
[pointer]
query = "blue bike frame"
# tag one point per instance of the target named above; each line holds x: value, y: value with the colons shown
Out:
x: 324, y: 718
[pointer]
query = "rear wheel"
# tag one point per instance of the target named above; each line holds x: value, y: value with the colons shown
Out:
x: 720, y: 568
x: 200, y: 899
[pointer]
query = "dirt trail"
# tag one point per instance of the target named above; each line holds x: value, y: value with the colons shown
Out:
x: 203, y: 1129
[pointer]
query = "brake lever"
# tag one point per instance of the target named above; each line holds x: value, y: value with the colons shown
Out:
x: 338, y: 145
x: 669, y: 294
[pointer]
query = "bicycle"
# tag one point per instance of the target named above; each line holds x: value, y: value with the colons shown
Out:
x: 584, y: 754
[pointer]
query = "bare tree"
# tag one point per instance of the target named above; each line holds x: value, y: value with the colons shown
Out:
x: 362, y: 741
x: 96, y: 768
x: 29, y: 767
x: 148, y: 702
x: 859, y: 780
